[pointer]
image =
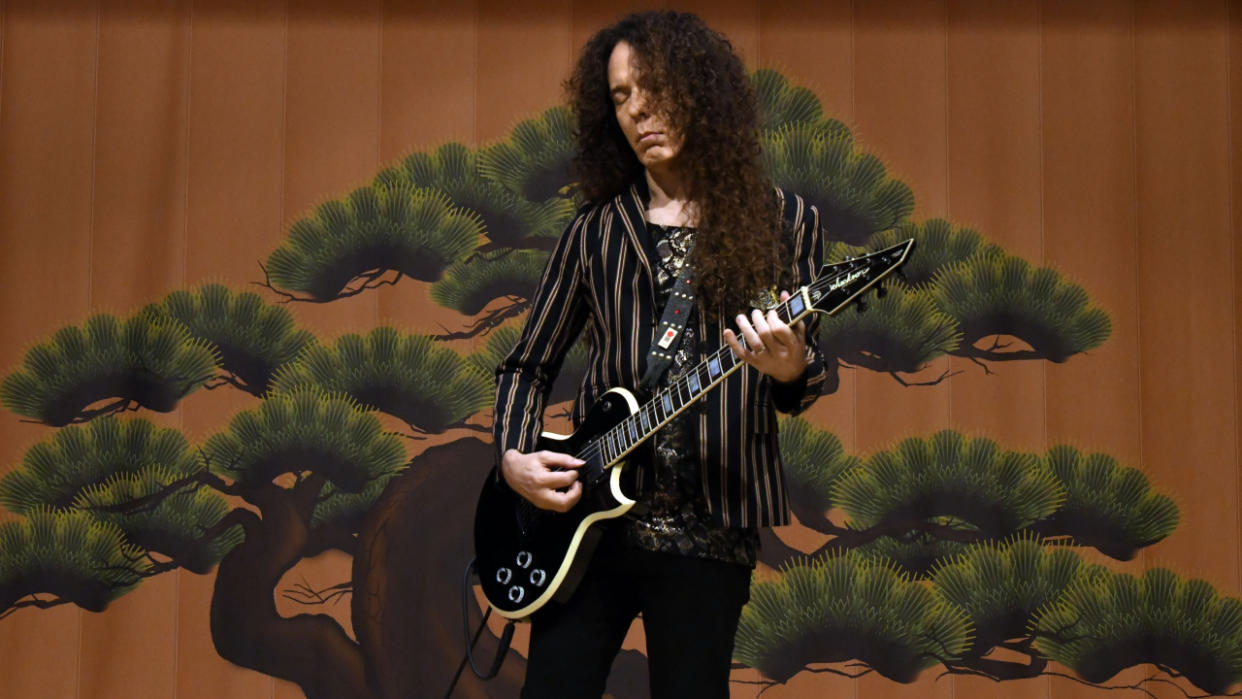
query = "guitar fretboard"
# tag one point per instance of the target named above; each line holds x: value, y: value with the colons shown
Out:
x: 838, y: 285
x: 689, y: 387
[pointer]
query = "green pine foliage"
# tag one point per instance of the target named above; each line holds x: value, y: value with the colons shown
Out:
x: 55, y: 472
x: 343, y: 511
x: 813, y: 462
x: 69, y: 555
x: 415, y: 232
x: 535, y: 162
x: 1107, y: 506
x: 846, y: 607
x: 508, y: 219
x: 1001, y: 585
x: 171, y: 524
x: 306, y: 429
x: 782, y: 104
x: 470, y: 285
x: 1002, y: 295
x: 408, y: 376
x: 900, y: 331
x: 852, y: 190
x: 1104, y: 624
x: 993, y: 491
x: 253, y: 338
x: 145, y: 361
x: 916, y: 554
x: 938, y: 244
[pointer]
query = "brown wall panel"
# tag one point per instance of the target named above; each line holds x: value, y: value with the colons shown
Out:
x: 1235, y: 175
x: 235, y: 209
x: 1185, y: 273
x: 140, y: 154
x: 995, y: 188
x: 139, y: 202
x: 812, y: 45
x: 235, y: 219
x: 156, y: 150
x: 47, y: 149
x: 899, y: 101
x: 1089, y: 236
x: 1089, y: 216
x: 427, y: 76
x: 524, y: 56
x: 331, y: 128
x: 427, y: 99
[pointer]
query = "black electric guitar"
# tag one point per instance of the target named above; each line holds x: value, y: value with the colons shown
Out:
x: 526, y: 556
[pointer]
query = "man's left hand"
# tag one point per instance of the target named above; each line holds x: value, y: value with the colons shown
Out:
x: 772, y: 347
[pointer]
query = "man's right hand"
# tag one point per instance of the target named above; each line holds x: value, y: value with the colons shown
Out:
x: 548, y: 479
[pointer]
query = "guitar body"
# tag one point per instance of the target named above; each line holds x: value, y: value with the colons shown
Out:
x: 525, y: 556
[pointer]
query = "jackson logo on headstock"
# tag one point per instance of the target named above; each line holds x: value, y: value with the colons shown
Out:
x: 847, y: 279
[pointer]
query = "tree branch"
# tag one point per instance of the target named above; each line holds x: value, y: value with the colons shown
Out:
x: 303, y: 593
x: 33, y: 602
x: 487, y: 323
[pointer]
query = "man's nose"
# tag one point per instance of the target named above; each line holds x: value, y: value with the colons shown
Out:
x: 638, y: 105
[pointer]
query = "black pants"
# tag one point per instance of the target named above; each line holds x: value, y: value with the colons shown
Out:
x: 690, y: 608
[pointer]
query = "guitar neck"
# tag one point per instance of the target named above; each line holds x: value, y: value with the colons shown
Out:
x: 669, y: 402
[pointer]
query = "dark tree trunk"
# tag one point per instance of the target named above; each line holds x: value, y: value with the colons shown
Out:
x: 311, y: 650
x: 408, y: 572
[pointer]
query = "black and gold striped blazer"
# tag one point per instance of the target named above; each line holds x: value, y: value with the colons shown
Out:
x: 599, y: 281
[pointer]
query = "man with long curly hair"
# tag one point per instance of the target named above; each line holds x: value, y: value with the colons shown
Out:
x: 669, y: 162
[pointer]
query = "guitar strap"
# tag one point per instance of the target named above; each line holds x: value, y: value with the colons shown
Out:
x: 672, y: 324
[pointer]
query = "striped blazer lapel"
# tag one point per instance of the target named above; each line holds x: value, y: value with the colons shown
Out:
x: 632, y: 212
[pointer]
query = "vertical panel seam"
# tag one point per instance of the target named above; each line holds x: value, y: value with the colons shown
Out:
x: 474, y: 72
x: 185, y: 256
x: 90, y: 264
x: 948, y: 211
x: 284, y: 158
x: 1043, y: 224
x: 1233, y: 269
x: 379, y: 117
x: 4, y: 26
x: 1138, y: 250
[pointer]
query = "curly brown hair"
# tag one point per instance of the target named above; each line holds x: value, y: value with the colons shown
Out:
x: 700, y: 88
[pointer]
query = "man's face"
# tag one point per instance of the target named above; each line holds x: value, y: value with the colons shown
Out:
x: 653, y: 141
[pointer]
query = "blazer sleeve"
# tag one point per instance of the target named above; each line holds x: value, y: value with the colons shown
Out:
x: 808, y: 247
x: 558, y: 311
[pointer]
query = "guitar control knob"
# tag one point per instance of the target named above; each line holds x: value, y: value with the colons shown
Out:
x: 503, y: 576
x: 516, y: 593
x: 524, y: 559
x: 537, y: 577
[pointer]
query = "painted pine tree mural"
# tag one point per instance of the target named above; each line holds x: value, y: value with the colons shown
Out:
x: 940, y: 549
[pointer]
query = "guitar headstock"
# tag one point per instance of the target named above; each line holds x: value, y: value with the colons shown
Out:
x: 840, y: 283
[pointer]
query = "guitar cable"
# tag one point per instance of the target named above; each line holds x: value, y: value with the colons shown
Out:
x: 506, y: 636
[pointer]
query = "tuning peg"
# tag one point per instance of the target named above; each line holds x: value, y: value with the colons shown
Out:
x: 860, y: 306
x: 881, y: 292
